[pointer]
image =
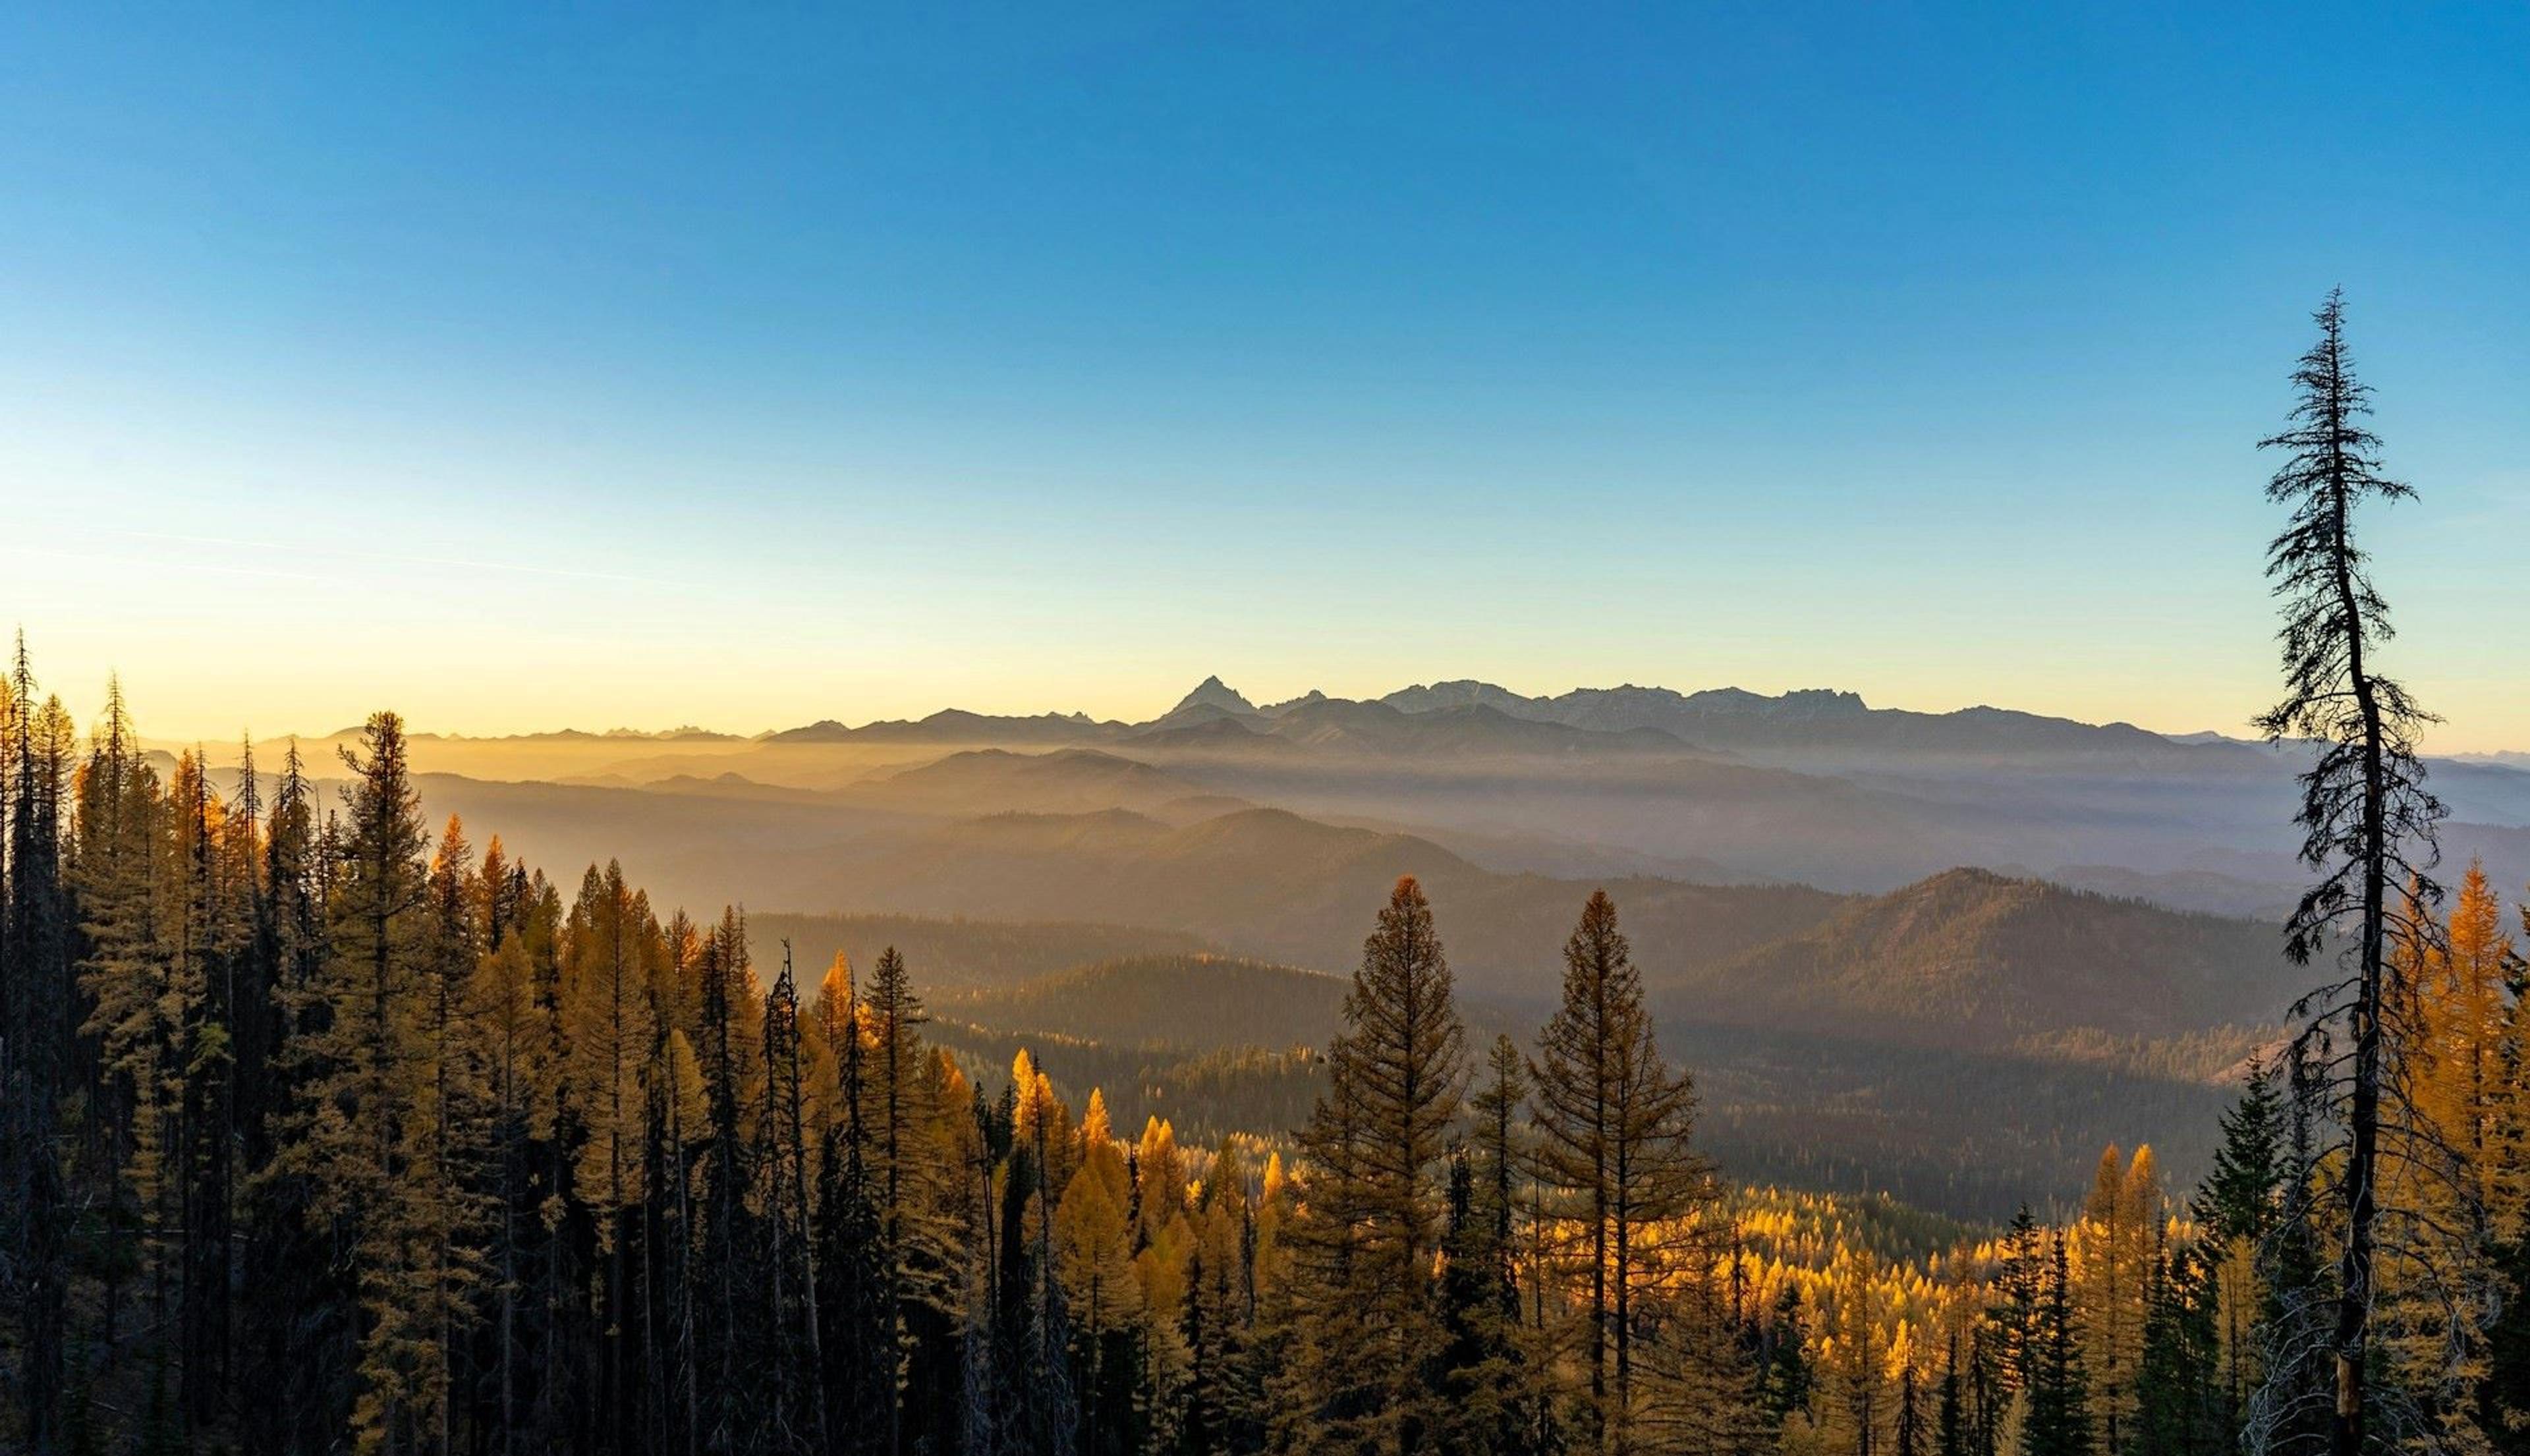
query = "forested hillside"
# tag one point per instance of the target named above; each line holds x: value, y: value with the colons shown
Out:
x: 1973, y: 960
x: 330, y: 1129
x: 964, y: 953
x: 1189, y: 1002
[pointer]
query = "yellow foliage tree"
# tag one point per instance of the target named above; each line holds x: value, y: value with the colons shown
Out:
x: 2462, y: 1014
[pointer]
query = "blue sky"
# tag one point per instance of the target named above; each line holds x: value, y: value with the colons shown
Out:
x: 608, y: 368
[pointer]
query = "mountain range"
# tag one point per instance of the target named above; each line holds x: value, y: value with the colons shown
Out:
x: 1481, y: 716
x: 1724, y: 785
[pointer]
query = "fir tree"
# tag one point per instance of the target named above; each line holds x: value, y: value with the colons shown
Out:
x: 2178, y: 1397
x: 2058, y: 1389
x: 1783, y: 1386
x: 1476, y: 1372
x: 2294, y: 1323
x: 2021, y: 1287
x: 1951, y: 1433
x: 2236, y: 1210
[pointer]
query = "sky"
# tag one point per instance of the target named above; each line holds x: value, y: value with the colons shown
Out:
x: 521, y: 367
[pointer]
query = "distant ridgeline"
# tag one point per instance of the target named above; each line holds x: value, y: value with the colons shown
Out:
x: 1726, y: 718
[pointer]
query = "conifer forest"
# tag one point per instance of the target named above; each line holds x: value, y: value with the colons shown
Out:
x: 328, y: 1125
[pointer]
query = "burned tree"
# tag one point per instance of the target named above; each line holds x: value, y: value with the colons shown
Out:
x: 2367, y: 823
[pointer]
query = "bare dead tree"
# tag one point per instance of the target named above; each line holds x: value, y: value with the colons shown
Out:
x: 2368, y: 826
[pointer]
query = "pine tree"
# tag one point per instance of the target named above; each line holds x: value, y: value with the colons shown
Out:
x: 254, y: 1011
x: 861, y: 1335
x: 124, y: 980
x: 1162, y: 1265
x: 1614, y: 1129
x: 1703, y: 1393
x: 611, y: 946
x: 1162, y: 1172
x: 457, y: 1116
x: 1276, y: 1344
x: 38, y: 1014
x: 918, y: 1123
x: 954, y: 1398
x: 1988, y: 1391
x: 519, y: 1084
x: 895, y: 1012
x: 210, y: 936
x: 1858, y: 1338
x: 1375, y: 1143
x: 365, y: 1139
x: 299, y: 1299
x: 729, y: 1234
x: 1907, y: 1439
x: 798, y: 1411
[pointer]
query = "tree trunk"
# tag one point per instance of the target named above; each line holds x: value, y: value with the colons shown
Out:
x: 2354, y: 1275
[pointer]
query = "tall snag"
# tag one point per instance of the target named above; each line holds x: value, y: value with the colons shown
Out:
x: 2367, y: 825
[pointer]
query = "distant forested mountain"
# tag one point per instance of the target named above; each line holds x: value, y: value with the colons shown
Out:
x: 958, y: 954
x: 1970, y: 960
x: 1268, y: 883
x: 1194, y: 1003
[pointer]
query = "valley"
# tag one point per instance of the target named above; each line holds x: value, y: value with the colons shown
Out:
x: 1866, y: 1008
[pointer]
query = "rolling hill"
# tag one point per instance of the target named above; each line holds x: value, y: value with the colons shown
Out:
x: 951, y: 956
x: 1272, y: 884
x: 1191, y: 1002
x: 1973, y: 959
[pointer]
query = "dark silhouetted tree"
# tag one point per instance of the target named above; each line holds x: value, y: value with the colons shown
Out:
x: 2367, y: 824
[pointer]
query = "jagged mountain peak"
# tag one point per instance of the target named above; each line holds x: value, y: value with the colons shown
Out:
x: 1212, y: 692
